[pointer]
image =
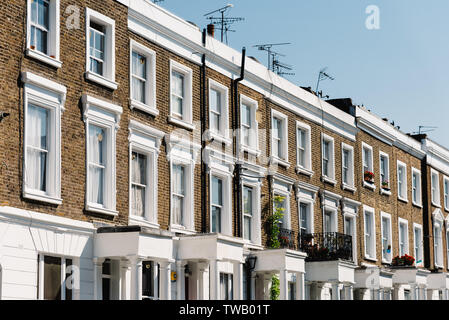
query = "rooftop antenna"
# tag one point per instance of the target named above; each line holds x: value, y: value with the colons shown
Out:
x: 224, y: 22
x: 424, y: 129
x: 271, y: 54
x: 157, y: 1
x: 279, y: 68
x: 323, y: 76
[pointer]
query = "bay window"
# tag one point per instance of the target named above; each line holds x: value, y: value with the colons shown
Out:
x: 43, y: 107
x: 143, y: 79
x: 101, y: 119
x: 43, y: 31
x: 100, y: 49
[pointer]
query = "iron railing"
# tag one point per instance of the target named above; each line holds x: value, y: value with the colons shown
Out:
x: 326, y: 246
x: 287, y: 239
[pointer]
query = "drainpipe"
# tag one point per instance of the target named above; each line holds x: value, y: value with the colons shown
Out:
x: 237, y: 191
x: 203, y: 143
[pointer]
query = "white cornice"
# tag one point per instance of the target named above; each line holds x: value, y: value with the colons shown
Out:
x: 34, y: 79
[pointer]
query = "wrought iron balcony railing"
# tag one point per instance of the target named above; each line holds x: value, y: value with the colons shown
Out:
x: 287, y: 239
x: 326, y: 246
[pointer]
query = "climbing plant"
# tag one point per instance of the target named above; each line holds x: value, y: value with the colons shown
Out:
x: 275, y: 290
x: 273, y: 222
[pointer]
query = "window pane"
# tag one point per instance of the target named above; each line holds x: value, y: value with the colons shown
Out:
x: 139, y: 165
x: 303, y: 218
x: 147, y: 279
x: 246, y: 115
x: 217, y: 191
x: 52, y: 278
x: 138, y: 92
x: 215, y: 101
x: 216, y: 219
x: 139, y: 67
x: 138, y: 200
x: 247, y: 228
x: 178, y: 84
x: 247, y: 200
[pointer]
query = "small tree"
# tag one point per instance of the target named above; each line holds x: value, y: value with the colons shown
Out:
x: 273, y: 222
x: 275, y: 290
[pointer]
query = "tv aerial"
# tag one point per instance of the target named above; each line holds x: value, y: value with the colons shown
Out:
x: 323, y: 75
x: 424, y: 129
x: 273, y: 61
x: 157, y: 1
x: 223, y: 22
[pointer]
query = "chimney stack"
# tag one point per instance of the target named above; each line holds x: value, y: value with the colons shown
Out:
x: 211, y: 30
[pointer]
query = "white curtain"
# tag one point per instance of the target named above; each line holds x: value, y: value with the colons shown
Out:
x: 139, y: 67
x: 138, y: 180
x: 37, y: 148
x: 97, y: 146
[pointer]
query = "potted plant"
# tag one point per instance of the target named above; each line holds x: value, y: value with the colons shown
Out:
x: 369, y: 176
x: 405, y: 260
x: 386, y: 185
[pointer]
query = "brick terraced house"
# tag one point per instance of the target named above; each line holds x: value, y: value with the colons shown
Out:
x: 142, y: 159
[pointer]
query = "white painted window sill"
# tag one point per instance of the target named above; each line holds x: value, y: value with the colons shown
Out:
x: 329, y: 180
x: 181, y: 229
x: 181, y: 123
x: 370, y: 259
x: 368, y: 185
x: 212, y: 136
x: 386, y: 261
x: 436, y: 205
x: 142, y: 222
x: 385, y: 192
x: 102, y: 210
x: 43, y: 58
x: 304, y: 171
x: 347, y: 187
x: 403, y: 200
x: 281, y: 162
x: 134, y: 104
x: 101, y: 80
x: 418, y: 205
x: 41, y: 197
x: 250, y: 150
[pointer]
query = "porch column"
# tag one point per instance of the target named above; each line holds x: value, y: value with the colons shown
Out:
x: 283, y: 280
x: 180, y: 280
x: 202, y: 270
x: 414, y: 293
x: 154, y: 267
x: 214, y: 280
x: 335, y: 291
x: 308, y: 290
x: 165, y: 281
x: 253, y: 285
x: 300, y: 294
x: 238, y: 280
x: 98, y: 271
x: 124, y: 293
x: 136, y: 278
x: 349, y: 291
x: 396, y: 291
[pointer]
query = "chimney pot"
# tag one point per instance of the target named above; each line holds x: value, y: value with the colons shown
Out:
x: 211, y: 30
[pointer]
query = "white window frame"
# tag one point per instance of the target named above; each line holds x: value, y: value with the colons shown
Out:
x: 254, y: 130
x: 331, y: 177
x: 226, y: 210
x: 387, y: 216
x: 108, y: 78
x: 181, y: 151
x: 146, y: 141
x: 446, y: 192
x: 387, y: 173
x: 150, y: 82
x: 283, y: 159
x: 287, y: 213
x: 438, y: 221
x: 307, y: 168
x: 402, y: 221
x: 404, y: 182
x: 255, y: 184
x: 223, y: 136
x: 418, y: 202
x: 50, y: 95
x: 351, y: 185
x: 447, y: 242
x: 366, y: 146
x: 435, y: 202
x: 107, y: 116
x: 306, y: 194
x: 41, y: 279
x: 372, y: 246
x: 53, y: 56
x: 350, y: 209
x: 419, y: 227
x: 186, y: 120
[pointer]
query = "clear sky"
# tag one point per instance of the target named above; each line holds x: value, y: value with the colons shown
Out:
x: 400, y: 71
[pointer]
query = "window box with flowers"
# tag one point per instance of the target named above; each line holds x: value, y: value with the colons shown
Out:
x: 386, y: 185
x: 404, y: 261
x: 369, y: 176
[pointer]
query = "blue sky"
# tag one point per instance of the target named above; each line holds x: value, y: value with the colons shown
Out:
x: 400, y: 71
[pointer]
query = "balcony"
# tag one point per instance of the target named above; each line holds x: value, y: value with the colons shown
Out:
x: 287, y: 239
x: 326, y: 246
